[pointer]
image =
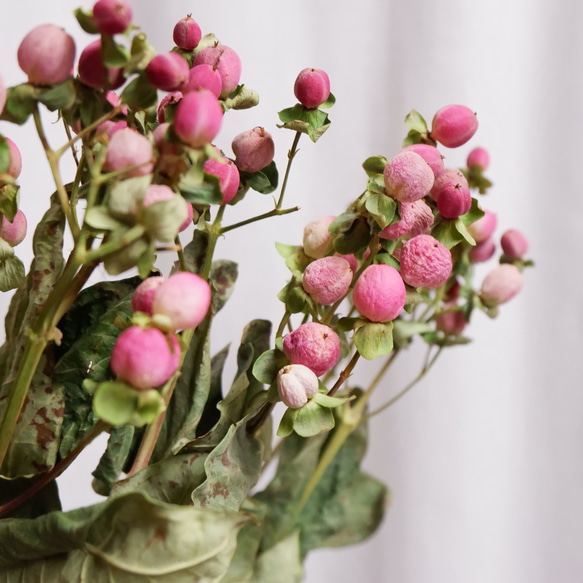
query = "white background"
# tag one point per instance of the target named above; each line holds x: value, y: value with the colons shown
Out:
x: 484, y: 457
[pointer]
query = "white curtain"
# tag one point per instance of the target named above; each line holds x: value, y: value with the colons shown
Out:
x: 483, y: 458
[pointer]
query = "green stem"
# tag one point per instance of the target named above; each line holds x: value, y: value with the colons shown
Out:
x: 290, y: 158
x: 345, y: 374
x: 276, y: 212
x: 180, y: 253
x: 129, y: 237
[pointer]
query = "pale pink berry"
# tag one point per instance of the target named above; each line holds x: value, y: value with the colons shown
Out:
x: 454, y: 125
x: 188, y: 221
x: 203, y: 77
x: 169, y: 99
x: 483, y: 251
x: 15, y: 167
x: 296, y: 385
x: 501, y: 284
x: 112, y: 16
x: 483, y: 228
x: 352, y: 261
x: 93, y: 72
x: 312, y: 87
x: 3, y: 94
x: 168, y: 72
x: 407, y: 177
x: 254, y: 150
x: 157, y: 193
x: 452, y: 193
x: 430, y: 154
x: 379, y: 293
x: 184, y: 298
x: 143, y: 295
x: 314, y: 345
x: 226, y: 62
x: 451, y: 322
x: 187, y: 33
x: 227, y: 173
x: 514, y: 244
x: 416, y: 218
x: 129, y: 149
x: 14, y: 232
x: 478, y: 157
x: 47, y: 54
x: 425, y: 262
x: 145, y: 357
x: 198, y: 118
x: 317, y: 237
x: 327, y: 280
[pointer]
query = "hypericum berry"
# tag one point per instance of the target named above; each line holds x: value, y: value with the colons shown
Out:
x: 109, y: 127
x: 379, y: 293
x: 254, y: 149
x: 15, y: 167
x: 93, y: 72
x: 145, y: 357
x: 3, y: 93
x: 170, y: 162
x: 416, y: 218
x: 407, y: 177
x: 352, y: 260
x: 312, y: 87
x: 430, y: 154
x: 186, y: 33
x: 203, y: 77
x: 47, y: 54
x: 314, y: 345
x: 317, y: 237
x: 454, y: 125
x: 478, y: 157
x: 296, y: 385
x: 501, y: 284
x: 169, y: 99
x: 126, y: 149
x: 185, y: 298
x: 143, y: 295
x: 198, y: 118
x: 226, y: 62
x: 112, y: 16
x: 327, y: 280
x: 514, y: 244
x: 425, y: 262
x: 14, y: 232
x: 483, y: 228
x: 189, y: 218
x: 451, y: 322
x: 482, y: 251
x: 227, y: 173
x: 452, y: 194
x: 168, y: 72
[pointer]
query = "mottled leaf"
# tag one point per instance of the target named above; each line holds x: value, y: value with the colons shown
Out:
x: 113, y: 459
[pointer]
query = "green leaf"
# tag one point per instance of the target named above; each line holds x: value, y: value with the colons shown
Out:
x: 414, y: 121
x: 447, y: 233
x: 281, y: 562
x: 163, y: 219
x: 286, y: 425
x: 223, y: 277
x: 85, y: 20
x: 242, y: 98
x: 382, y: 208
x: 114, y: 56
x: 141, y: 53
x: 268, y: 364
x: 312, y: 122
x: 476, y: 179
x: 60, y: 96
x: 463, y: 231
x: 413, y: 137
x: 263, y: 181
x: 9, y: 194
x: 473, y: 214
x: 129, y: 256
x: 374, y: 339
x: 100, y: 219
x: 329, y: 402
x: 404, y: 330
x: 113, y: 459
x: 312, y: 419
x: 195, y: 251
x: 374, y: 165
x: 125, y: 196
x: 295, y: 258
x: 351, y: 233
x: 11, y: 273
x: 5, y: 155
x: 139, y: 93
x: 198, y: 187
x: 20, y: 103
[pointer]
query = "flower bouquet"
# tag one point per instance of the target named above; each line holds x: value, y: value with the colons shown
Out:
x: 131, y: 356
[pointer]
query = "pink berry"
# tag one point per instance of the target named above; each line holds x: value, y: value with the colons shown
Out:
x: 407, y: 177
x: 186, y: 33
x: 15, y: 167
x: 312, y: 87
x: 514, y: 244
x: 198, y: 118
x: 145, y: 357
x: 452, y: 193
x: 379, y: 293
x: 416, y: 218
x: 203, y: 77
x: 157, y: 193
x: 184, y: 298
x: 317, y: 237
x: 143, y: 295
x: 226, y: 62
x: 483, y: 228
x: 501, y: 284
x: 454, y: 125
x: 452, y: 322
x: 227, y: 173
x: 169, y: 99
x: 47, y: 54
x: 168, y: 72
x: 296, y: 385
x: 93, y: 72
x: 430, y: 154
x: 126, y: 149
x: 327, y: 280
x: 253, y: 149
x: 170, y: 162
x: 352, y: 261
x: 3, y: 94
x: 482, y: 251
x: 425, y: 262
x: 478, y: 157
x: 14, y: 232
x: 314, y: 345
x: 112, y: 16
x: 188, y: 221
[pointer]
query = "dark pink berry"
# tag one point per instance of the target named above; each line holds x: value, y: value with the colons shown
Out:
x: 425, y: 262
x: 451, y: 321
x: 198, y: 118
x: 312, y: 87
x: 168, y: 72
x: 186, y: 33
x: 430, y: 154
x: 483, y: 251
x: 143, y: 295
x: 452, y: 194
x: 203, y: 77
x: 112, y: 16
x: 93, y: 72
x: 169, y: 99
x: 379, y: 293
x: 514, y: 244
x: 226, y: 62
x: 253, y: 149
x: 478, y: 157
x: 454, y: 125
x: 227, y: 173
